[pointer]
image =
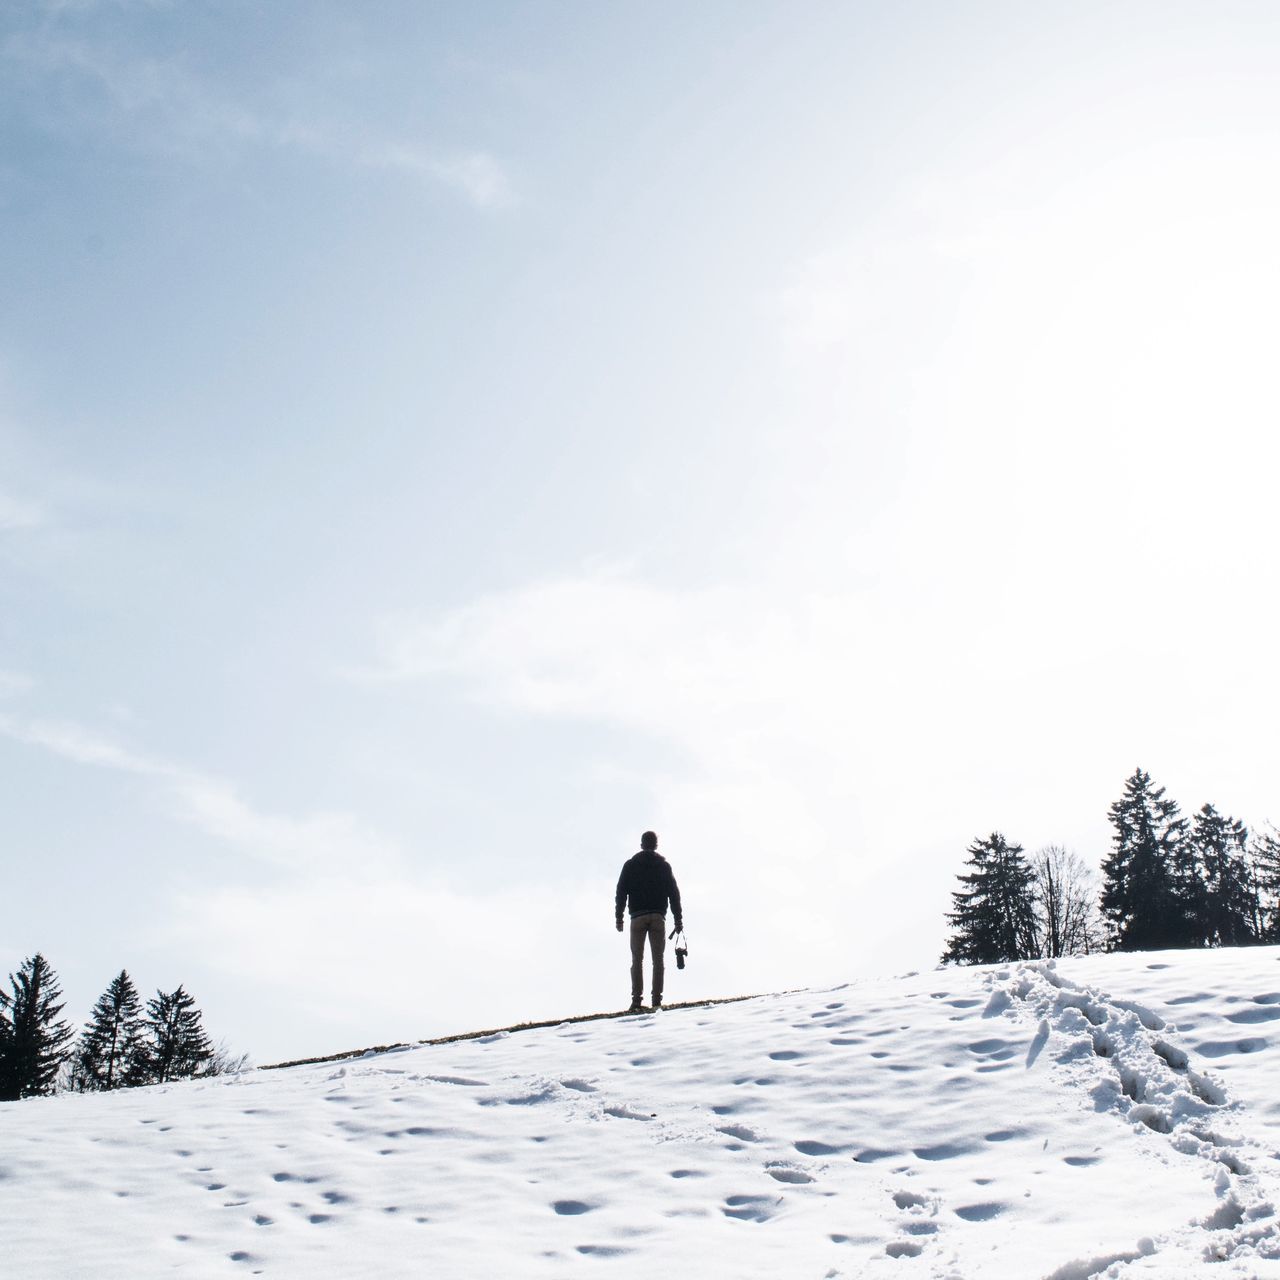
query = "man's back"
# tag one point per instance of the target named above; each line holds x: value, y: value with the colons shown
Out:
x: 647, y: 880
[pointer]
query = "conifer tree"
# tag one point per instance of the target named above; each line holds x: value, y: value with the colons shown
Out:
x: 178, y: 1047
x: 1140, y: 898
x: 1264, y: 859
x: 993, y: 916
x: 111, y: 1051
x: 1227, y: 895
x: 33, y: 1040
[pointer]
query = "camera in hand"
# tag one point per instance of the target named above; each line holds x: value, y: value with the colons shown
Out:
x: 681, y: 952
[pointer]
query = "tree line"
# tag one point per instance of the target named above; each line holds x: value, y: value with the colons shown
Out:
x: 1167, y: 882
x: 123, y: 1044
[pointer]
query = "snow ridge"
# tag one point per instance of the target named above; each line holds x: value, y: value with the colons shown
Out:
x: 1008, y: 1123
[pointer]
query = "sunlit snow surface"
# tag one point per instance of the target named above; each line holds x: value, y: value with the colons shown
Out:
x: 1118, y: 1116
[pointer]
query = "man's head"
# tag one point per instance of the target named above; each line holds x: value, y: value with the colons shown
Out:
x: 649, y: 841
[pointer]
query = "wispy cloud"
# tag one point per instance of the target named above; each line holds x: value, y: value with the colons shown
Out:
x: 476, y: 175
x: 13, y: 683
x: 673, y: 663
x: 214, y: 805
x: 20, y: 513
x: 160, y: 105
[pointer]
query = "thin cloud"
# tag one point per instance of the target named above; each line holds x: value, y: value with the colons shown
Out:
x: 476, y: 175
x: 212, y: 804
x: 719, y: 670
x: 19, y: 514
x: 13, y: 683
x: 158, y: 105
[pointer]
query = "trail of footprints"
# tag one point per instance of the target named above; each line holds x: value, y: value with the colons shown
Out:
x: 1154, y: 1085
x: 1153, y: 1082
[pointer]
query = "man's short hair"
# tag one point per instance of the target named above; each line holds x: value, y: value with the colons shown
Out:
x: 649, y: 840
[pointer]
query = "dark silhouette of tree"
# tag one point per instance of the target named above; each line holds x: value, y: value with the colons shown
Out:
x: 1226, y: 899
x: 1140, y: 894
x: 33, y: 1040
x: 993, y: 914
x: 1264, y: 858
x: 1066, y: 894
x: 178, y: 1047
x: 1189, y: 915
x: 111, y: 1051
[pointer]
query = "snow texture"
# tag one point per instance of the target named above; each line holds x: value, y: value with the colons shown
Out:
x: 1114, y: 1116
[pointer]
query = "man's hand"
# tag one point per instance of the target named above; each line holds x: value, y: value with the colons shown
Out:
x: 618, y: 922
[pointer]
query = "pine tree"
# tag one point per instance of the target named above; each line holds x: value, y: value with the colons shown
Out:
x: 1219, y: 845
x: 178, y: 1047
x: 1189, y: 907
x: 1140, y: 894
x: 110, y: 1054
x: 1264, y: 859
x: 33, y: 1040
x: 993, y: 916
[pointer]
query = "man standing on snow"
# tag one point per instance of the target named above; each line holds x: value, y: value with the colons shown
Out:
x: 648, y: 882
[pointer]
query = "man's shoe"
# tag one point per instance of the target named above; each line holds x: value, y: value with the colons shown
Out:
x: 636, y: 1006
x: 657, y: 1002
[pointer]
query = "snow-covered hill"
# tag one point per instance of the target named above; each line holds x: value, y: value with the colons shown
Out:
x: 1111, y: 1116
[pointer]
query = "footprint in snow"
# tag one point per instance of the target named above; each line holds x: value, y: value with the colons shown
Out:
x: 981, y: 1212
x: 749, y: 1208
x: 944, y: 1151
x: 920, y: 1210
x: 995, y: 1049
x: 904, y: 1248
x: 913, y: 1200
x: 811, y: 1147
x: 572, y: 1208
x: 1264, y: 1013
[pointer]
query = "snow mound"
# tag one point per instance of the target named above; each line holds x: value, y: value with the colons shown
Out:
x: 1111, y: 1116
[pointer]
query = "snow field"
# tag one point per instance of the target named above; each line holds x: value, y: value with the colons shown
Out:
x: 1017, y: 1121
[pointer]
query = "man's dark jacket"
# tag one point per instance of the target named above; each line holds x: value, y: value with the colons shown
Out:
x: 648, y: 881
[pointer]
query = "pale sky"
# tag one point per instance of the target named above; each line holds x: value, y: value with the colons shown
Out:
x: 439, y: 442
